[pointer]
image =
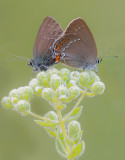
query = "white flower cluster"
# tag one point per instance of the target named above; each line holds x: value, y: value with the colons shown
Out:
x: 56, y: 86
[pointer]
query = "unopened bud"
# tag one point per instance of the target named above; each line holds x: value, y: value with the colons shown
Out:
x: 6, y: 103
x: 61, y: 93
x: 84, y: 79
x: 98, y: 87
x: 48, y: 94
x: 93, y: 78
x: 65, y: 74
x: 73, y: 93
x: 51, y: 72
x: 43, y: 79
x: 26, y: 92
x: 34, y: 83
x: 71, y: 83
x: 23, y: 107
x: 14, y: 95
x: 75, y: 76
x: 56, y: 81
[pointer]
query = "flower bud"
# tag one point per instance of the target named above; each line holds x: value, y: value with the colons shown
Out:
x: 26, y: 92
x: 51, y: 72
x: 56, y: 81
x: 75, y: 76
x: 34, y: 83
x: 71, y: 83
x: 51, y: 115
x: 73, y: 129
x: 23, y: 107
x: 6, y: 103
x: 48, y: 94
x: 73, y: 93
x: 61, y: 93
x: 38, y: 90
x: 43, y: 79
x: 84, y: 79
x: 93, y: 78
x: 65, y: 74
x: 98, y: 87
x: 14, y: 95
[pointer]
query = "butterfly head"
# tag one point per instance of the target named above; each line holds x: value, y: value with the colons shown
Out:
x: 41, y: 63
x: 99, y: 60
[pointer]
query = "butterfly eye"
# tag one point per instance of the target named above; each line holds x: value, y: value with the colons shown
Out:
x: 30, y: 63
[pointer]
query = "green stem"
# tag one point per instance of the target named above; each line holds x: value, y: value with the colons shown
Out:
x: 40, y: 117
x: 63, y: 130
x: 77, y: 104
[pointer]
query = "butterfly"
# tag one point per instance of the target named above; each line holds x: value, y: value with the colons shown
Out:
x: 48, y: 33
x: 76, y: 47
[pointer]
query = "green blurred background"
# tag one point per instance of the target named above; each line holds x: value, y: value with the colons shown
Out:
x: 103, y: 116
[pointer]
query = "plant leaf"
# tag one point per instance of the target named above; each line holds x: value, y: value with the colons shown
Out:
x: 74, y: 115
x: 46, y: 124
x: 60, y: 145
x: 77, y: 150
x: 76, y: 141
x: 51, y: 132
x: 69, y: 141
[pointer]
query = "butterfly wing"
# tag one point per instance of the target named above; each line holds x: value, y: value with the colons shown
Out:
x: 48, y: 32
x: 77, y: 45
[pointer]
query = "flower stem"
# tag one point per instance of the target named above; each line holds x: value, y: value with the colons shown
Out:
x: 63, y: 130
x: 40, y: 117
x: 77, y: 104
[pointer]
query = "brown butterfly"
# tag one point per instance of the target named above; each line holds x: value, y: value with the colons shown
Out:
x: 47, y: 35
x: 77, y: 47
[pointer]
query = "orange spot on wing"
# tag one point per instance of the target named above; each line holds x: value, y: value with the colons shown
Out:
x: 58, y: 47
x: 64, y: 40
x: 61, y: 43
x: 57, y: 57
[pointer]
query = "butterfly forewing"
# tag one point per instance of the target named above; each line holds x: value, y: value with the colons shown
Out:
x: 49, y: 31
x: 77, y: 45
x: 79, y: 27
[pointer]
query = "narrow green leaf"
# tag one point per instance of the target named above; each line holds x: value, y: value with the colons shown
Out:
x: 51, y: 132
x: 46, y: 124
x: 74, y: 115
x: 69, y: 141
x: 76, y: 141
x: 77, y: 150
x: 60, y: 145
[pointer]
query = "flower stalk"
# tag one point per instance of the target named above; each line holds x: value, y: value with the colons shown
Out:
x: 63, y: 130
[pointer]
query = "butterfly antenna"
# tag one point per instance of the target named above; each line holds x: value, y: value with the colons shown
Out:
x: 21, y: 58
x: 105, y: 51
x: 106, y: 57
x: 109, y: 57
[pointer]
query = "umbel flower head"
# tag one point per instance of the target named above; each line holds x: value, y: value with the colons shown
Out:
x: 58, y: 87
